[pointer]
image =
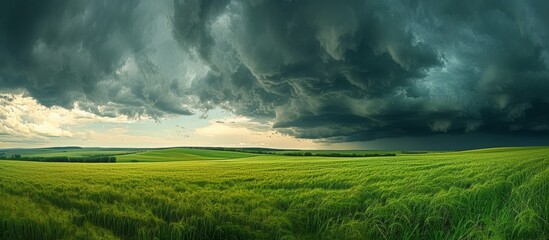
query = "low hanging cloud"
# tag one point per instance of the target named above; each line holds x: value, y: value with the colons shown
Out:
x: 333, y: 71
x: 363, y: 70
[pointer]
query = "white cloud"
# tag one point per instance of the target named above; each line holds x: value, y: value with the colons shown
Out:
x: 23, y: 118
x: 24, y: 122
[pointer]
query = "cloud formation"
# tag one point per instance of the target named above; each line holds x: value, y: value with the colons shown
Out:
x: 23, y: 119
x: 362, y: 70
x: 98, y: 53
x: 333, y: 71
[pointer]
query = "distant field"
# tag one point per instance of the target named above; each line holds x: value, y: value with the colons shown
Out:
x: 181, y: 154
x: 491, y: 193
x: 350, y: 152
x: 67, y: 152
x: 342, y: 151
x: 84, y: 153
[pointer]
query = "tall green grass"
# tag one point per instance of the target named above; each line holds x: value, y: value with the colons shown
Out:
x: 494, y: 194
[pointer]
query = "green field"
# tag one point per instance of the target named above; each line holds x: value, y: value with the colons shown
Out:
x: 340, y: 151
x: 73, y: 152
x: 493, y: 193
x: 181, y: 154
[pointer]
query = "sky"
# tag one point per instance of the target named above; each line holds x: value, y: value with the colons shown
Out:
x: 311, y: 74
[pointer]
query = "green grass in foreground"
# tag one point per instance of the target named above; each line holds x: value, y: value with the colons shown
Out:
x: 495, y: 193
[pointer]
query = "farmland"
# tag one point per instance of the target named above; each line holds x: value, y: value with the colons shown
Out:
x: 498, y: 193
x: 181, y: 154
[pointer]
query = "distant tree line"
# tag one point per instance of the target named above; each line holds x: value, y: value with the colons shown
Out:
x: 298, y: 153
x: 413, y: 152
x: 248, y: 151
x: 242, y: 150
x: 339, y: 154
x: 89, y: 159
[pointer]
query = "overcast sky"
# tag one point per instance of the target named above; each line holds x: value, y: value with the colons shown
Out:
x: 409, y: 74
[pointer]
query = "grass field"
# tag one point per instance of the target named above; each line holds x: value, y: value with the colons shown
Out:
x: 492, y: 193
x: 325, y: 152
x: 73, y: 152
x: 181, y: 154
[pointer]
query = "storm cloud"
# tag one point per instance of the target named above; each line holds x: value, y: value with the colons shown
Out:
x: 334, y: 71
x: 104, y: 55
x: 362, y: 70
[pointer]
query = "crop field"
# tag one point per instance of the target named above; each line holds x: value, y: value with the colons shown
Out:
x: 76, y: 152
x: 180, y: 154
x: 498, y: 193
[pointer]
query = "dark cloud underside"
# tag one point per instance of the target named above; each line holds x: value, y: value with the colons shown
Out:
x: 335, y: 71
x: 63, y: 52
x: 361, y: 70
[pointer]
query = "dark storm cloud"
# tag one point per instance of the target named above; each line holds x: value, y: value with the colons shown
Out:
x: 362, y: 70
x: 329, y: 70
x: 62, y: 52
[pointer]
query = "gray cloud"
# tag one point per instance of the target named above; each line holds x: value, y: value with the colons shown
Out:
x: 97, y: 53
x: 345, y: 71
x: 360, y: 70
x: 301, y: 60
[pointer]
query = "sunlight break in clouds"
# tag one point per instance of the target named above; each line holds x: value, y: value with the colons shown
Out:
x: 25, y: 121
x: 24, y: 118
x: 243, y: 131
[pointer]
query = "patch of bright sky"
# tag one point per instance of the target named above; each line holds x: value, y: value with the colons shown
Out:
x: 26, y: 123
x: 219, y: 129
